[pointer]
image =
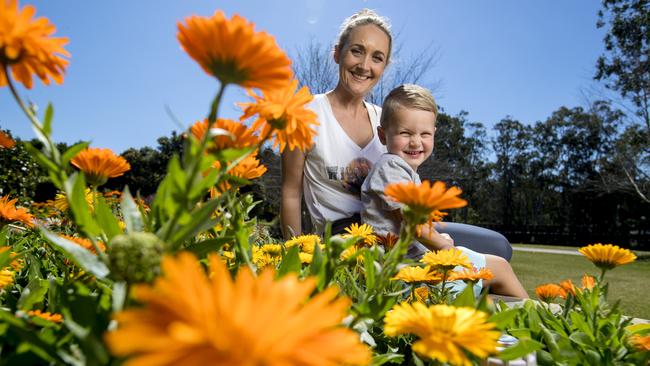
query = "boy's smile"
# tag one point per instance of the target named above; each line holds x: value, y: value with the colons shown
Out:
x: 410, y: 135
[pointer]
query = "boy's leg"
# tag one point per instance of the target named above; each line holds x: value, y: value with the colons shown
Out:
x: 505, y: 281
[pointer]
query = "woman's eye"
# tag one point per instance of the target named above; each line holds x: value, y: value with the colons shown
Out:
x: 378, y: 59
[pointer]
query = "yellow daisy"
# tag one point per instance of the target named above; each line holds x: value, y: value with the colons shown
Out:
x: 415, y: 274
x: 233, y: 52
x: 284, y: 116
x: 305, y: 242
x: 607, y: 256
x: 6, y: 278
x: 27, y: 47
x: 365, y: 232
x: 444, y: 332
x: 61, y: 201
x: 446, y: 259
x: 190, y: 319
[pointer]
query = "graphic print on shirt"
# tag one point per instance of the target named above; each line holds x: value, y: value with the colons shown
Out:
x: 352, y: 175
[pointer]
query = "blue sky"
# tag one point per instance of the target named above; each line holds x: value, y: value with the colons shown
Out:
x: 509, y: 57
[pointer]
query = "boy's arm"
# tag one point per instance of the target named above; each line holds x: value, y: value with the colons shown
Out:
x: 429, y: 236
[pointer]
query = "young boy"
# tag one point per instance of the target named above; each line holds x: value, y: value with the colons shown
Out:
x: 407, y: 128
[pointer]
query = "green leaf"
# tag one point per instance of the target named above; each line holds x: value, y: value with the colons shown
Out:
x: 582, y: 339
x: 394, y: 358
x: 34, y: 293
x: 202, y: 248
x: 6, y: 258
x: 200, y: 221
x: 130, y: 212
x: 465, y: 298
x: 120, y: 292
x: 106, y: 219
x: 370, y: 269
x: 47, y: 119
x: 73, y: 151
x: 504, y: 318
x: 78, y: 254
x: 75, y: 188
x: 290, y: 262
x: 40, y: 158
x: 523, y: 347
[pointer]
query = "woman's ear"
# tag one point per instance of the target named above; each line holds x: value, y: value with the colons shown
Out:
x: 336, y: 54
x: 381, y: 134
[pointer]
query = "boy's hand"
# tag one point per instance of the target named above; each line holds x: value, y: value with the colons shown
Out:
x: 434, y: 240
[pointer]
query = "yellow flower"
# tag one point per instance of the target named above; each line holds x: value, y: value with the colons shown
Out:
x: 85, y: 243
x: 307, y: 243
x: 190, y: 319
x: 444, y: 332
x: 61, y: 201
x: 472, y: 275
x: 416, y: 274
x: 27, y: 48
x: 6, y: 141
x: 233, y: 52
x: 364, y: 232
x: 241, y: 136
x: 100, y: 164
x: 53, y: 317
x: 16, y: 264
x: 305, y: 258
x: 607, y: 256
x: 588, y: 282
x: 282, y: 114
x: 6, y: 278
x: 425, y: 199
x: 421, y: 294
x: 9, y: 213
x: 446, y: 259
x: 547, y: 292
x: 639, y: 342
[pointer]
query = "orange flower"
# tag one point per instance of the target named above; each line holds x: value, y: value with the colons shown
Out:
x: 639, y: 342
x: 388, y: 241
x: 233, y: 52
x: 53, y: 317
x: 27, y: 48
x: 190, y: 319
x: 425, y: 198
x: 9, y: 213
x: 100, y: 164
x: 588, y: 282
x: 86, y: 243
x: 282, y: 115
x: 249, y: 168
x: 568, y: 287
x: 472, y: 275
x: 549, y: 291
x: 242, y: 136
x: 607, y: 256
x: 6, y: 141
x: 16, y: 264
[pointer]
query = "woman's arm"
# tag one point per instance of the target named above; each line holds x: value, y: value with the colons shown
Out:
x: 293, y: 164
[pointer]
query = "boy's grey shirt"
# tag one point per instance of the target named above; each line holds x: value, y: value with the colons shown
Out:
x: 378, y: 210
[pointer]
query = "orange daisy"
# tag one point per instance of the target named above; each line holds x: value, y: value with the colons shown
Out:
x: 53, y: 317
x: 607, y: 256
x: 568, y: 287
x: 472, y: 275
x: 588, y: 282
x: 100, y: 164
x: 388, y: 241
x: 249, y: 168
x: 6, y: 141
x: 549, y: 291
x: 9, y: 213
x: 233, y: 52
x: 240, y: 135
x: 27, y: 48
x: 424, y: 199
x: 189, y: 318
x: 85, y: 243
x: 282, y: 114
x: 639, y: 342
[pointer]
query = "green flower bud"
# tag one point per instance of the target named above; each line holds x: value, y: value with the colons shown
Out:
x: 135, y: 257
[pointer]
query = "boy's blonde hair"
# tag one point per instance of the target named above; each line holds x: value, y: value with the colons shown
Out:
x: 365, y: 17
x: 409, y: 96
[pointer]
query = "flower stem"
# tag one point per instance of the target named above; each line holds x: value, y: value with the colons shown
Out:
x: 214, y: 108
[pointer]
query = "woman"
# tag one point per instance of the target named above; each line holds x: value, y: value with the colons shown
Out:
x: 347, y: 143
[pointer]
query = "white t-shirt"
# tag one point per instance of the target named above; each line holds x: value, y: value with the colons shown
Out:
x: 336, y: 166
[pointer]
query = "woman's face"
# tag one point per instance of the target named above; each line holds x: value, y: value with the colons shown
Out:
x: 362, y: 59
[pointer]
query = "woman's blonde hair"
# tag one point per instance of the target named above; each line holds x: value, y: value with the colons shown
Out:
x: 407, y: 96
x: 365, y: 17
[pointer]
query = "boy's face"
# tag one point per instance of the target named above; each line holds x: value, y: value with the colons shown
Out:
x: 410, y: 135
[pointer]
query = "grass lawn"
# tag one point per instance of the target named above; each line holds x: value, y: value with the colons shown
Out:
x: 627, y: 283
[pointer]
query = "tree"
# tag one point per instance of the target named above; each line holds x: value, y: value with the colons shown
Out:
x: 625, y: 66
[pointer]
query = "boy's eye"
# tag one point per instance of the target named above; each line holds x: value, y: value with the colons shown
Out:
x: 404, y: 133
x: 355, y: 51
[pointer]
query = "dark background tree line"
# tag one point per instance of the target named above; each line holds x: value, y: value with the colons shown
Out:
x: 580, y: 176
